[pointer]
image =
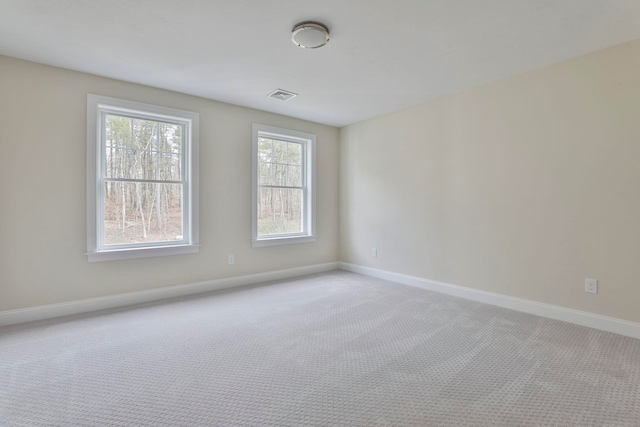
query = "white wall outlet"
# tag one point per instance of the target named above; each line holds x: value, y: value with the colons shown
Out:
x: 232, y: 260
x: 591, y: 286
x: 374, y: 252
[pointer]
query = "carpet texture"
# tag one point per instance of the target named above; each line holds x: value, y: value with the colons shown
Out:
x: 335, y: 349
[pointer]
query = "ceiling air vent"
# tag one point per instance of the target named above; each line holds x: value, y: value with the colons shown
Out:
x: 282, y: 95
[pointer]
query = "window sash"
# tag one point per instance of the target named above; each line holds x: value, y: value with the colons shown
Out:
x: 103, y: 180
x: 303, y: 180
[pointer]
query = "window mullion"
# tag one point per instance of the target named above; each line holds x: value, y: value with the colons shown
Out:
x: 154, y: 181
x: 303, y: 177
x: 281, y: 186
x: 186, y: 189
x: 100, y: 187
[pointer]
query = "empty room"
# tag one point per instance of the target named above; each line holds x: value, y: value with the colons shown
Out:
x: 304, y: 213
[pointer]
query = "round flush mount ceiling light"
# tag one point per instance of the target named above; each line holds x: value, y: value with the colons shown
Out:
x: 310, y: 35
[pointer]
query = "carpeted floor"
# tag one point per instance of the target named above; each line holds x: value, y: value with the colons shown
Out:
x: 332, y: 349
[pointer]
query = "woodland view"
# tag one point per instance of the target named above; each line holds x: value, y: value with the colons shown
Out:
x: 280, y: 190
x: 143, y: 180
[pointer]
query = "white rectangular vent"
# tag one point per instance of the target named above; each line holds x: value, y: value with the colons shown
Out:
x: 282, y: 95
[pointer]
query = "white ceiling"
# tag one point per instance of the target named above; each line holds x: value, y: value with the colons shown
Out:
x: 383, y: 55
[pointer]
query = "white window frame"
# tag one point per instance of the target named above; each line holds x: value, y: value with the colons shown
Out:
x: 97, y: 108
x: 308, y: 142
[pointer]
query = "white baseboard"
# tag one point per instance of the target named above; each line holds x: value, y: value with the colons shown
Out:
x: 50, y: 311
x: 583, y: 318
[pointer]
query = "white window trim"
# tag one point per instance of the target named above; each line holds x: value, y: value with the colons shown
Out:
x: 309, y: 235
x: 190, y: 244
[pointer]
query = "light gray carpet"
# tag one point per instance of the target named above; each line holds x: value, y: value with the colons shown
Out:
x: 331, y: 349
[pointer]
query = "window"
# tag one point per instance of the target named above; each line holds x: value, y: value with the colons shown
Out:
x: 283, y: 186
x: 142, y: 180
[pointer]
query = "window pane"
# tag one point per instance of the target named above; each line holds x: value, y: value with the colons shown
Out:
x: 295, y: 153
x: 294, y: 176
x: 264, y: 150
x: 142, y: 164
x: 142, y: 212
x: 279, y: 211
x: 169, y: 167
x: 118, y: 163
x: 279, y: 174
x: 145, y: 134
x: 170, y: 138
x: 117, y: 131
x: 130, y: 164
x: 264, y: 174
x: 279, y: 151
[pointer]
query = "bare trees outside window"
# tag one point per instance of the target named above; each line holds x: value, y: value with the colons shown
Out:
x: 280, y: 197
x: 143, y: 181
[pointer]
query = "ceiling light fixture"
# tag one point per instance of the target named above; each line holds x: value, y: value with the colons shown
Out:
x: 310, y: 35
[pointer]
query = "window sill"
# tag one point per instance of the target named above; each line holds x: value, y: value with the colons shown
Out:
x: 120, y: 254
x: 282, y: 241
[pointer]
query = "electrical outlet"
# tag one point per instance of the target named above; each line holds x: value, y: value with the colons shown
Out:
x: 374, y: 252
x: 232, y: 259
x: 591, y: 286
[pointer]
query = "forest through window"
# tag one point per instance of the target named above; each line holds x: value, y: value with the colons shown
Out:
x: 143, y: 167
x: 280, y: 196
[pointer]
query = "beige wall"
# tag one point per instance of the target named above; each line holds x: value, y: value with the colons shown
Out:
x: 42, y: 191
x: 522, y: 187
